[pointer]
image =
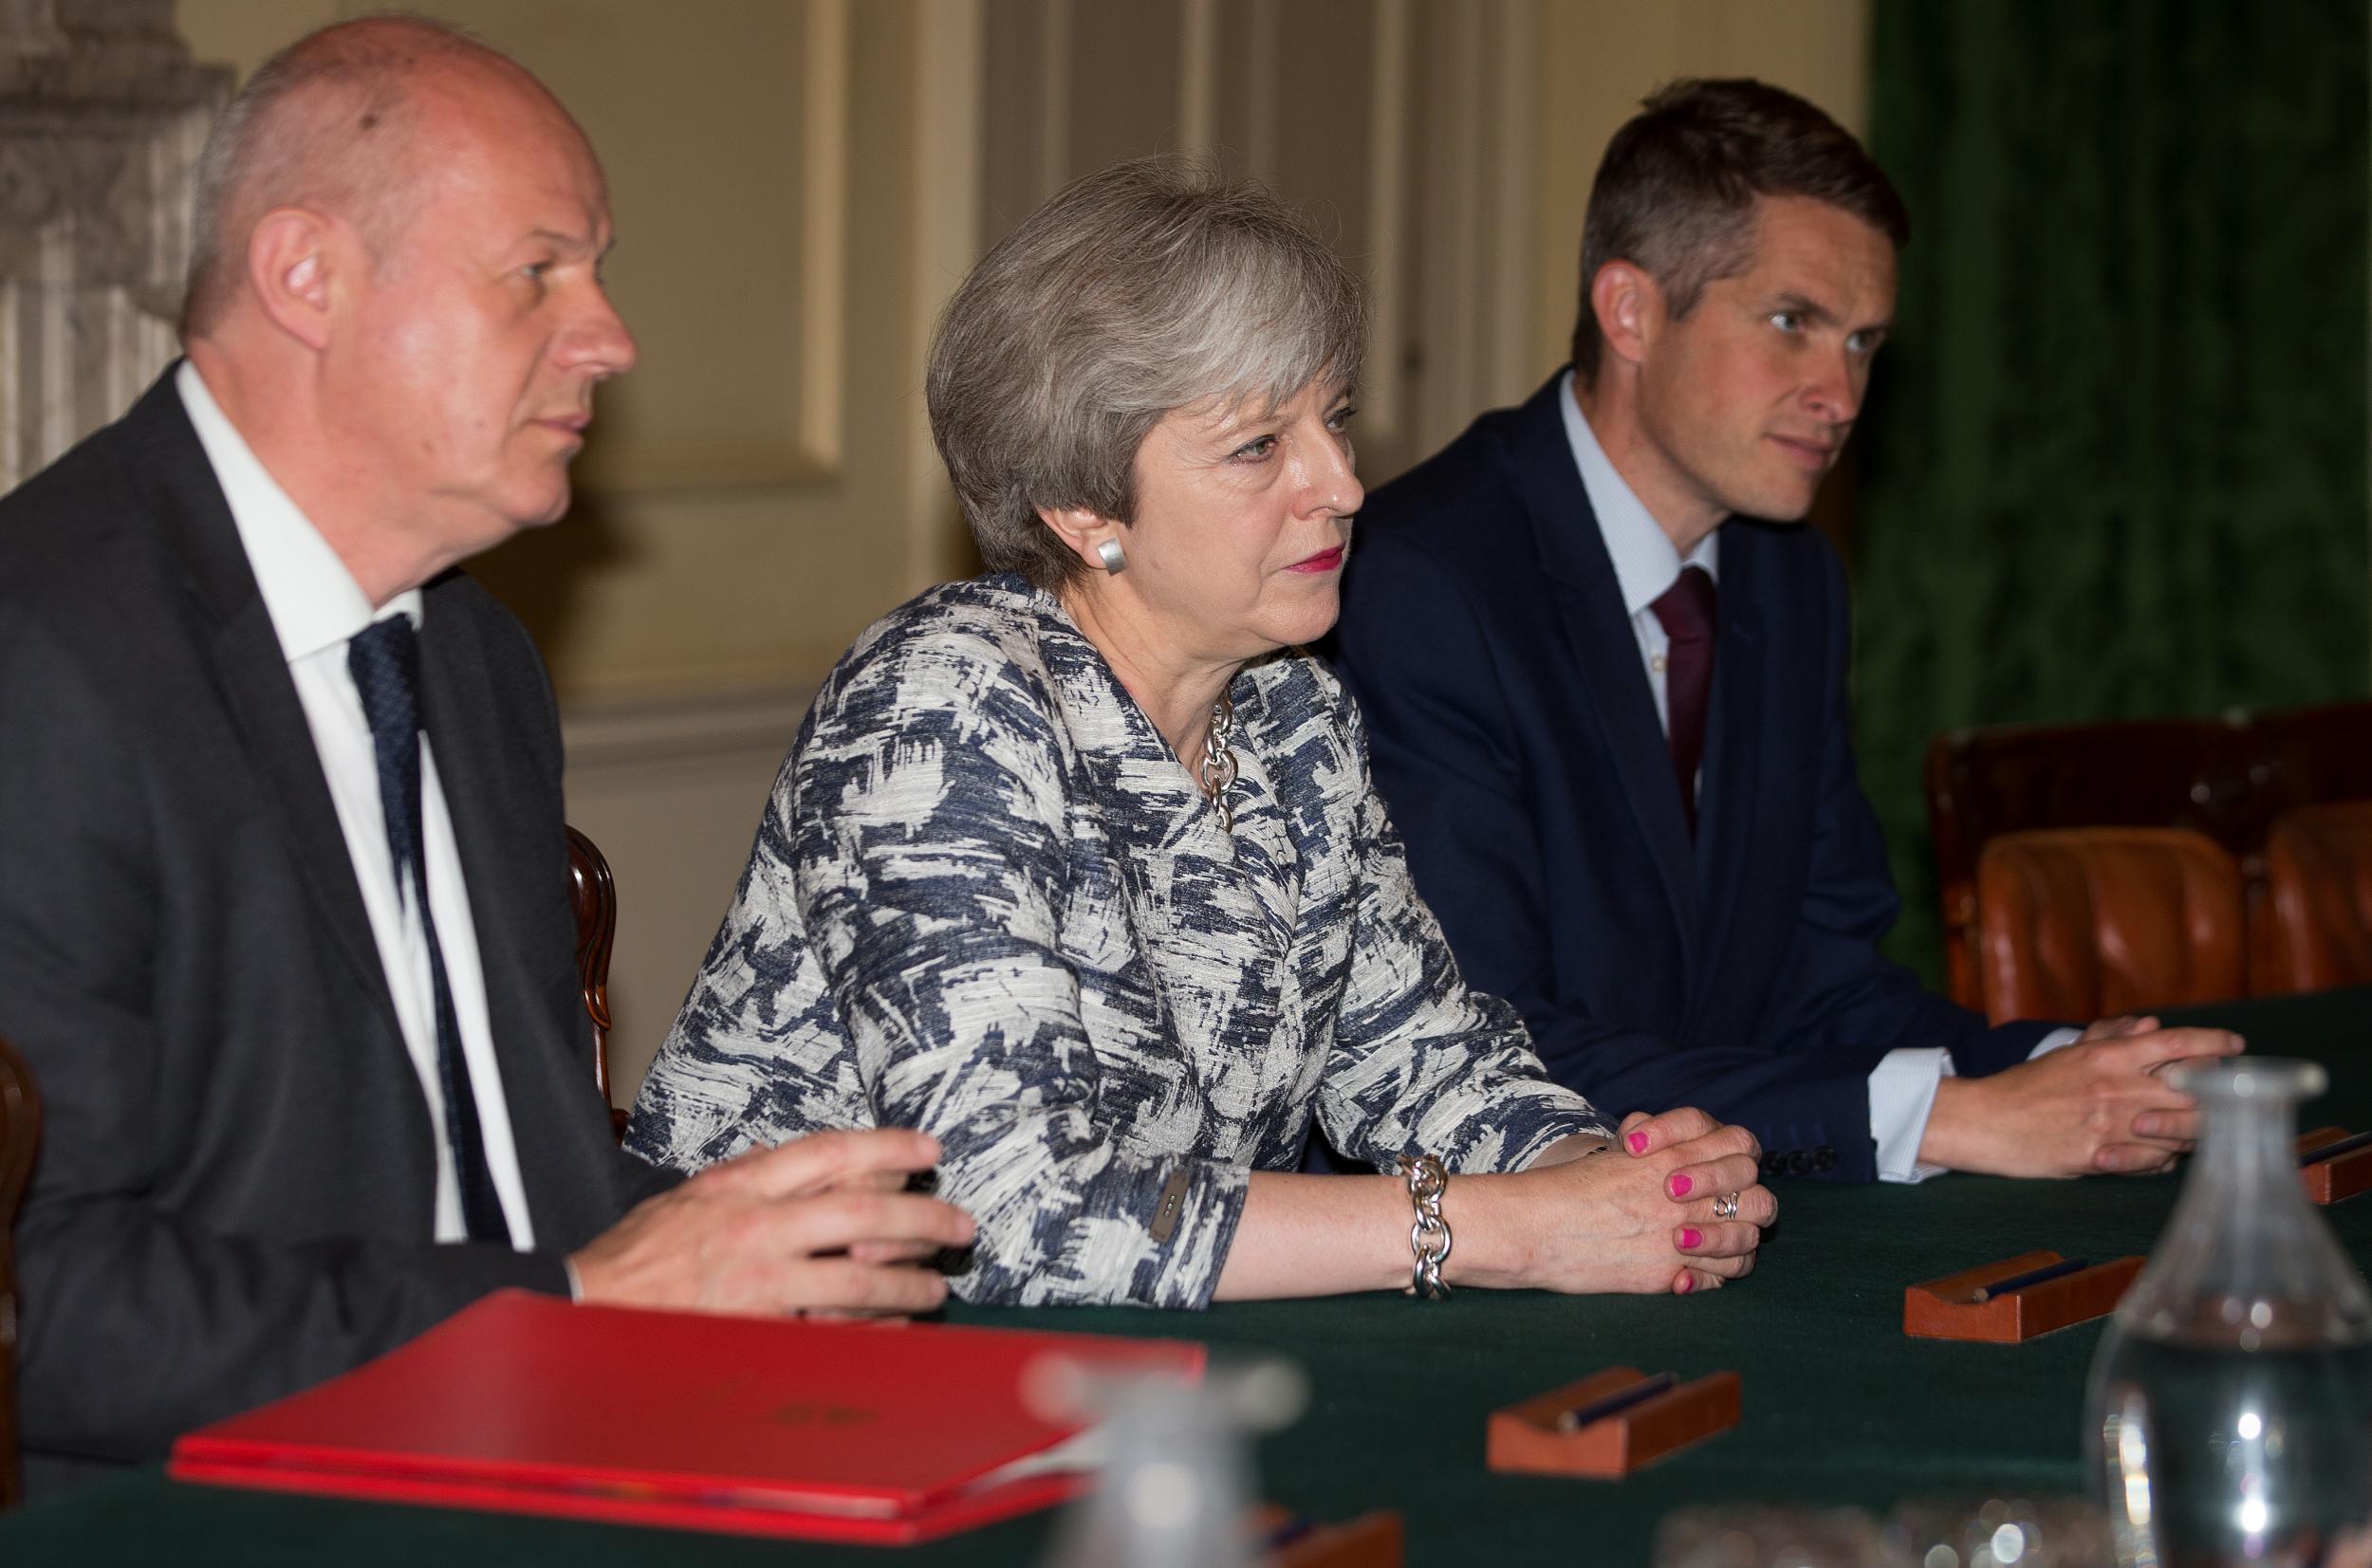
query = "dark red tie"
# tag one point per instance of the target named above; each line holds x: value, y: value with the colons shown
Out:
x: 1686, y: 610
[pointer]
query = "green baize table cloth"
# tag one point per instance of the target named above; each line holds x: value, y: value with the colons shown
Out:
x: 1840, y: 1407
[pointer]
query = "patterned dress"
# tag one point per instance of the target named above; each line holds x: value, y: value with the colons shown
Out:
x: 987, y: 902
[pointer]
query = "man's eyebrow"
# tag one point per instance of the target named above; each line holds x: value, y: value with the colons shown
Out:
x: 558, y: 240
x: 1803, y: 306
x: 1813, y: 312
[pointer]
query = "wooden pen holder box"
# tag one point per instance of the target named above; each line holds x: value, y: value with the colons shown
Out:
x: 1371, y: 1540
x: 1526, y: 1438
x: 1948, y: 1308
x: 2341, y: 1175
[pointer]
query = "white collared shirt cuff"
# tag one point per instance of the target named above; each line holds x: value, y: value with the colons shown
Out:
x: 1901, y: 1097
x: 2053, y: 1040
x: 576, y: 1286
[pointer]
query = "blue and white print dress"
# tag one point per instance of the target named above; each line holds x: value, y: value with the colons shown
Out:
x: 987, y: 902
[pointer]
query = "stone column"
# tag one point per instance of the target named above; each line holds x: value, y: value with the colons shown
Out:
x: 101, y: 116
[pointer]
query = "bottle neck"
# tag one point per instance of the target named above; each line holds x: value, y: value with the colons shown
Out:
x: 2244, y: 1262
x: 2246, y: 1157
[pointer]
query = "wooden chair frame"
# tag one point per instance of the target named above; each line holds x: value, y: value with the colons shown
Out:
x: 593, y: 894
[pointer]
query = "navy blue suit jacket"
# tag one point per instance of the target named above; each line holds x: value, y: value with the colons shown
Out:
x: 1515, y: 739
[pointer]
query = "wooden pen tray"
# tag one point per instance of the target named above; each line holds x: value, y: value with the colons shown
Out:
x: 1946, y: 1308
x: 2341, y: 1175
x: 1371, y: 1540
x: 1524, y: 1438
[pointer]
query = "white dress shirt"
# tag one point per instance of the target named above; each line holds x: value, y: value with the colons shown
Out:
x: 316, y: 607
x: 1903, y: 1086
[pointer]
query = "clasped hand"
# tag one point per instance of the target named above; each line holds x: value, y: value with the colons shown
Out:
x: 1640, y: 1217
x: 2098, y: 1104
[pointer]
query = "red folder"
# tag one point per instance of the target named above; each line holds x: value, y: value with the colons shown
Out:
x: 837, y: 1431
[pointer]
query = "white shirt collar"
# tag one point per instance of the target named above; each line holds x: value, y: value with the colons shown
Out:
x: 314, y: 600
x: 1645, y: 562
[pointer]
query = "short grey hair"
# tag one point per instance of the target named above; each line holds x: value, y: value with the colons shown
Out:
x: 326, y: 124
x: 1156, y: 284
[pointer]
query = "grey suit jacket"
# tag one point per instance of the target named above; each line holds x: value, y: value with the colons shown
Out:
x: 234, y: 1192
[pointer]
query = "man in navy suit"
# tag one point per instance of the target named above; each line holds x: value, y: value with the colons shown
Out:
x: 1609, y: 712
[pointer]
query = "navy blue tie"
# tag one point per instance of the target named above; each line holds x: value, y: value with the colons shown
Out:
x: 384, y: 659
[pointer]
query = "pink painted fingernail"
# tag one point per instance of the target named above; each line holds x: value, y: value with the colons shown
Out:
x: 1688, y: 1282
x: 1690, y: 1236
x: 1680, y: 1186
x: 1638, y: 1142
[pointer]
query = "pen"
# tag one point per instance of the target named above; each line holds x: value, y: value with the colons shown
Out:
x: 2032, y: 1277
x: 2329, y: 1150
x: 1622, y: 1399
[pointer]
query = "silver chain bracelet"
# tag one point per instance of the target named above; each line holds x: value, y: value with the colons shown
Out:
x: 1429, y: 1238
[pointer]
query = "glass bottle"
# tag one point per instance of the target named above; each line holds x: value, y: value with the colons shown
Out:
x: 2229, y: 1412
x: 1177, y: 1477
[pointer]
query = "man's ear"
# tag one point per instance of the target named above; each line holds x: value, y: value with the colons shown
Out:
x: 1080, y: 530
x: 1629, y: 306
x: 292, y: 257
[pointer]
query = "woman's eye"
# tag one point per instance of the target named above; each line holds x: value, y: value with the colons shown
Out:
x: 1341, y: 418
x: 1787, y: 321
x: 1252, y: 452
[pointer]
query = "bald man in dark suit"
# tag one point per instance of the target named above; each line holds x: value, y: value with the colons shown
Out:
x: 284, y: 924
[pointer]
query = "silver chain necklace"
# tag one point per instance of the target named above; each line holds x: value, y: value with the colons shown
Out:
x: 1217, y: 769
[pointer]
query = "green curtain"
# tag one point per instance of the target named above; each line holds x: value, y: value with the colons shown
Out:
x: 2114, y: 459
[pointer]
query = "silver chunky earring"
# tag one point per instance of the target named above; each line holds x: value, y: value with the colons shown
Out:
x: 1115, y: 559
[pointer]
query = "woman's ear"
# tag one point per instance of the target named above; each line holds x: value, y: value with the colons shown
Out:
x: 1083, y: 532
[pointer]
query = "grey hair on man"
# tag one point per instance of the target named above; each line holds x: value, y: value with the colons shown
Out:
x: 326, y: 124
x: 1155, y: 285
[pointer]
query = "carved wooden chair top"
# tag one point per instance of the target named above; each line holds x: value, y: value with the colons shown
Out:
x: 593, y: 894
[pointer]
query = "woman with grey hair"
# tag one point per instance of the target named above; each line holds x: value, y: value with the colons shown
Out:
x: 1077, y: 866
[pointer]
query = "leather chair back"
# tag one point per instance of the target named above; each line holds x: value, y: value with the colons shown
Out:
x: 2084, y: 922
x: 2314, y: 926
x: 20, y: 1133
x: 593, y: 894
x: 2226, y: 776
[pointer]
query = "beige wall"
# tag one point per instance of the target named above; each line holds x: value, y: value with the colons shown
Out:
x: 798, y: 184
x: 746, y: 502
x: 792, y: 203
